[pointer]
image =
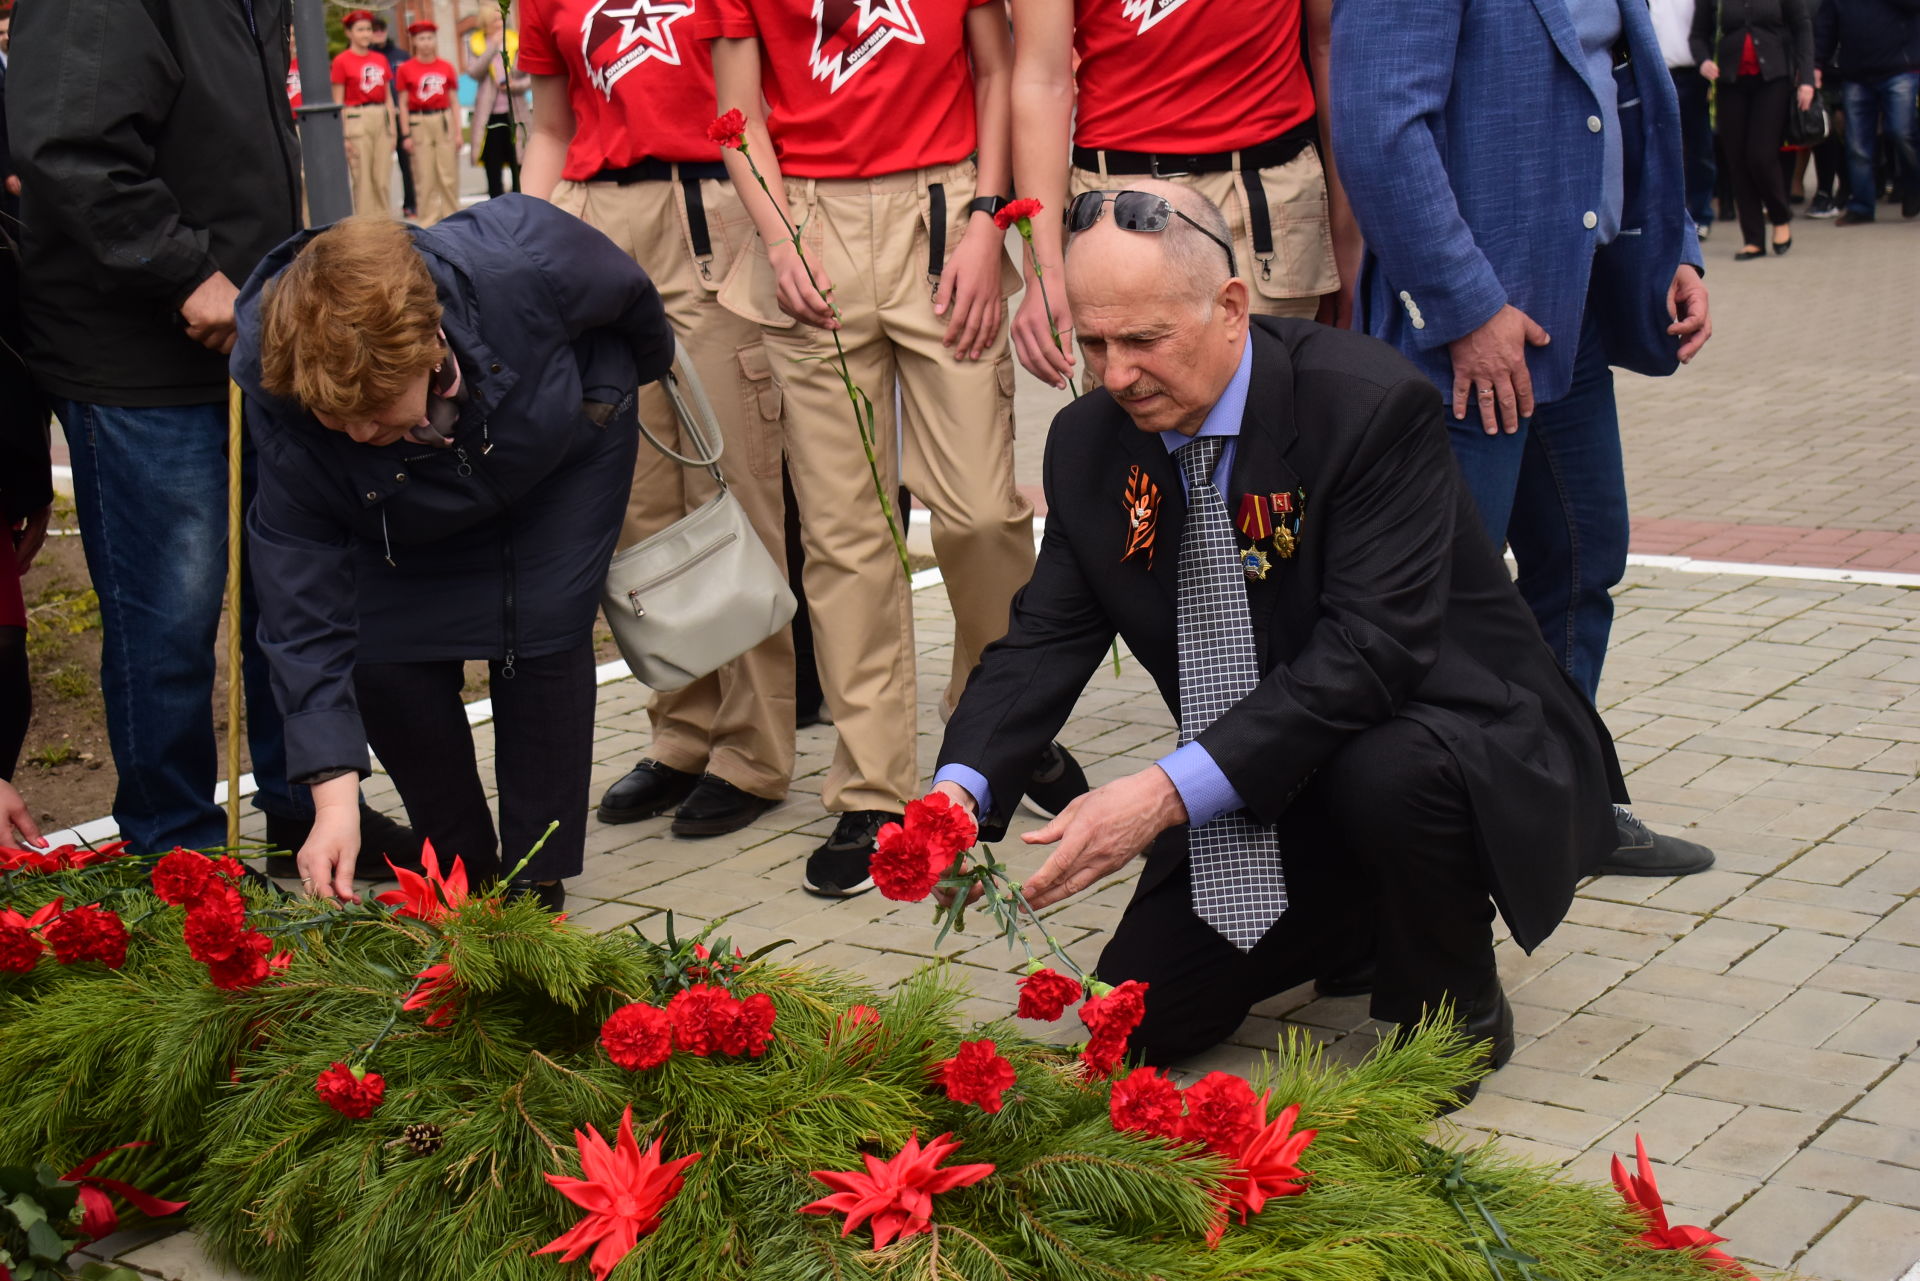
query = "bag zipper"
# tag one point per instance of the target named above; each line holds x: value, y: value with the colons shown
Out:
x: 633, y: 594
x: 510, y: 622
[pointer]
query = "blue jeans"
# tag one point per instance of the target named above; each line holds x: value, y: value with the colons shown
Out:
x: 1556, y: 493
x: 151, y: 488
x: 1696, y: 142
x: 1888, y: 102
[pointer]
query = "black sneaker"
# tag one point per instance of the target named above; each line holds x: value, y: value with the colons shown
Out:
x: 1644, y: 852
x: 382, y: 840
x: 552, y: 895
x: 840, y: 868
x: 648, y: 790
x: 1823, y: 206
x: 715, y: 808
x: 1057, y: 779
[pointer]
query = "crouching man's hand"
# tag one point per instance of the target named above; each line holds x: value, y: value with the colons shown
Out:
x: 1101, y: 832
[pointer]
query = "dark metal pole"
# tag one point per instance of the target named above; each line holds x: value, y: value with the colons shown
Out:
x: 323, y: 144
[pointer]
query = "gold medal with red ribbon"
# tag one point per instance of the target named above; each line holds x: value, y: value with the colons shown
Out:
x: 1256, y: 521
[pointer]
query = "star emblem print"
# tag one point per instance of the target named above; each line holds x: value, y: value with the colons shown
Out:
x: 848, y: 34
x: 1148, y: 12
x: 615, y: 37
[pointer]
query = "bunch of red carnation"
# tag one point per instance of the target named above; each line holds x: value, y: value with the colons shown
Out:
x: 702, y: 1020
x: 1111, y: 1015
x: 80, y: 934
x: 61, y: 858
x: 216, y: 930
x: 910, y: 857
x: 1221, y: 1114
x: 20, y: 945
x: 977, y: 1074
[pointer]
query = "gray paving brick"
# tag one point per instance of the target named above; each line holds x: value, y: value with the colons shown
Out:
x: 1886, y: 1029
x: 1661, y: 1055
x: 1809, y: 1016
x: 1775, y: 1224
x: 1672, y: 1125
x: 1790, y: 956
x: 1757, y: 1142
x: 1873, y: 1243
x: 1747, y: 1085
x: 1893, y: 1144
x: 1829, y: 1171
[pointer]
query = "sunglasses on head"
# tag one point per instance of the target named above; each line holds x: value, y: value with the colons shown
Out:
x: 1135, y: 211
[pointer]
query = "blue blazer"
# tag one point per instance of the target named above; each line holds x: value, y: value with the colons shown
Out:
x: 1462, y: 133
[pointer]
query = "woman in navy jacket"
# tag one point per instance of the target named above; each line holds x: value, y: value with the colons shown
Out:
x: 446, y: 432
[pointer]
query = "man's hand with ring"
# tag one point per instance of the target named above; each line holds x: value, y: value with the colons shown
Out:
x: 1101, y: 832
x: 1492, y: 362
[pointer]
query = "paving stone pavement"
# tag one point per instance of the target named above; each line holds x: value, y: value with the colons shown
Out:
x: 1756, y: 1024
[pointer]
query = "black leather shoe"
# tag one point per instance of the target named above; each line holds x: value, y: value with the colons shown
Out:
x: 1781, y: 246
x: 1489, y: 1020
x: 1057, y: 779
x: 715, y: 808
x: 1349, y: 980
x: 1644, y: 852
x: 382, y: 840
x: 840, y: 867
x: 551, y: 894
x: 647, y: 790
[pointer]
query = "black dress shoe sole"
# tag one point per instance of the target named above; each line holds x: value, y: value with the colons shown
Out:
x: 1611, y: 868
x: 697, y: 829
x: 609, y: 814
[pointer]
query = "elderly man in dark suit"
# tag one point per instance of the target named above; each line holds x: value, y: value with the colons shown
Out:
x: 1376, y: 748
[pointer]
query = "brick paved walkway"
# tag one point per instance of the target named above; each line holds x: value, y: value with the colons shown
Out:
x: 1754, y: 1023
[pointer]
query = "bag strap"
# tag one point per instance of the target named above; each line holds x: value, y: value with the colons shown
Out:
x: 695, y: 412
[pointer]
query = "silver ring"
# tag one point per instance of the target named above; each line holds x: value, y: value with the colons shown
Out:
x: 1487, y: 394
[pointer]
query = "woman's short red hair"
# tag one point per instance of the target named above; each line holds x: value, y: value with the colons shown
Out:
x: 352, y: 321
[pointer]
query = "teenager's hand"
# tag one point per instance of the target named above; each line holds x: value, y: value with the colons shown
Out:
x: 1033, y: 341
x: 969, y: 293
x: 805, y: 295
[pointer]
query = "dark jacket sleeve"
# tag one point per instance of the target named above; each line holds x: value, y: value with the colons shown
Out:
x: 303, y: 576
x: 1706, y: 22
x: 595, y: 285
x: 26, y: 463
x: 1026, y: 684
x: 1826, y: 32
x: 89, y: 85
x: 1389, y: 538
x: 1799, y: 23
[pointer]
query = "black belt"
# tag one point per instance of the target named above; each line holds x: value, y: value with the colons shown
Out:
x: 1264, y: 155
x: 427, y: 111
x: 661, y: 171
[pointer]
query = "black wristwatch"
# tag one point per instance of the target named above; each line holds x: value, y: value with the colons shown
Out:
x: 988, y: 205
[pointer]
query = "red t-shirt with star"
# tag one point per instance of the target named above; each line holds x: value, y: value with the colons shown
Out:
x: 425, y: 86
x: 859, y: 88
x: 638, y: 78
x: 1188, y: 76
x: 363, y: 76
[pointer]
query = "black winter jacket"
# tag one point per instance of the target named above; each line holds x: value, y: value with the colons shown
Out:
x: 1782, y: 32
x: 1868, y: 39
x: 154, y: 148
x: 494, y: 547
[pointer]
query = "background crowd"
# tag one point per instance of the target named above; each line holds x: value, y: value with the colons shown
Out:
x: 153, y: 165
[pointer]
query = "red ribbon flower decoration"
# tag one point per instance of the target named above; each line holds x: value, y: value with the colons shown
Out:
x: 977, y: 1075
x: 1643, y: 1194
x: 897, y: 1195
x: 729, y: 130
x: 61, y: 858
x: 19, y: 949
x: 437, y: 992
x: 1267, y: 1166
x: 432, y: 897
x: 100, y: 1218
x: 624, y: 1193
x: 1015, y: 212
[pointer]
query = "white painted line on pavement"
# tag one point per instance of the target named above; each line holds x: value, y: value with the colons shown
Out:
x: 1806, y: 573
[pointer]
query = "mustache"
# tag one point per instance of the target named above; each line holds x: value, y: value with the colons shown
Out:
x: 1140, y: 391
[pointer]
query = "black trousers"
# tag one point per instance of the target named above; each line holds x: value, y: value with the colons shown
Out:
x: 497, y: 153
x: 543, y: 756
x: 1380, y: 858
x: 1753, y: 124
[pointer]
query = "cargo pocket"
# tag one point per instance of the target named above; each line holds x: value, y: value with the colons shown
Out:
x: 1302, y: 263
x: 762, y: 417
x: 1003, y: 412
x: 572, y: 198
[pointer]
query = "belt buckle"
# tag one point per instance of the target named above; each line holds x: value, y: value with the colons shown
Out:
x: 1154, y: 170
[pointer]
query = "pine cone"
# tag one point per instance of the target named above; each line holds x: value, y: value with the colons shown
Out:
x: 423, y: 1138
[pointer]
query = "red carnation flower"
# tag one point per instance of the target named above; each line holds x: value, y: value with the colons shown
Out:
x: 353, y: 1092
x: 729, y: 130
x: 182, y: 877
x: 1222, y: 1113
x: 902, y: 867
x: 946, y: 827
x: 88, y: 934
x: 977, y: 1075
x: 19, y: 949
x: 638, y: 1036
x: 213, y: 937
x: 1046, y: 994
x: 248, y: 965
x: 1111, y: 1018
x: 1144, y: 1100
x: 701, y: 1014
x: 749, y: 1030
x: 1015, y: 211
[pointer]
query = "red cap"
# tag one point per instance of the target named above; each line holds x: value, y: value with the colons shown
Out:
x: 415, y: 28
x: 358, y: 15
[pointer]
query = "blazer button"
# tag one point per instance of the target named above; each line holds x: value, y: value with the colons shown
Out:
x: 1419, y: 322
x: 1593, y: 124
x: 372, y: 497
x: 1589, y: 220
x: 400, y: 477
x: 1405, y: 296
x: 494, y: 367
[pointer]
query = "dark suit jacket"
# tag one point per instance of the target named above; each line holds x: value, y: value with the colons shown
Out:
x: 1782, y: 32
x: 1394, y: 605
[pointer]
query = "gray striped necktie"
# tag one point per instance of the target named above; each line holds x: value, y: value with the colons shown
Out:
x: 1238, y: 886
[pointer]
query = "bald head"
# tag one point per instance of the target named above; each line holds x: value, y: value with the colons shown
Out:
x: 1162, y: 320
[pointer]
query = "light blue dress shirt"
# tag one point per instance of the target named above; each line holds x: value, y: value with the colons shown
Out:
x: 1203, y: 789
x: 1599, y: 25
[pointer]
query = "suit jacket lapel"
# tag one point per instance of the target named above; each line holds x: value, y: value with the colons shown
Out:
x: 1267, y: 432
x: 1566, y: 38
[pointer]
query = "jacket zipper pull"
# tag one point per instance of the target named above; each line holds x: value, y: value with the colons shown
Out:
x: 486, y: 440
x: 506, y: 668
x: 465, y: 468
